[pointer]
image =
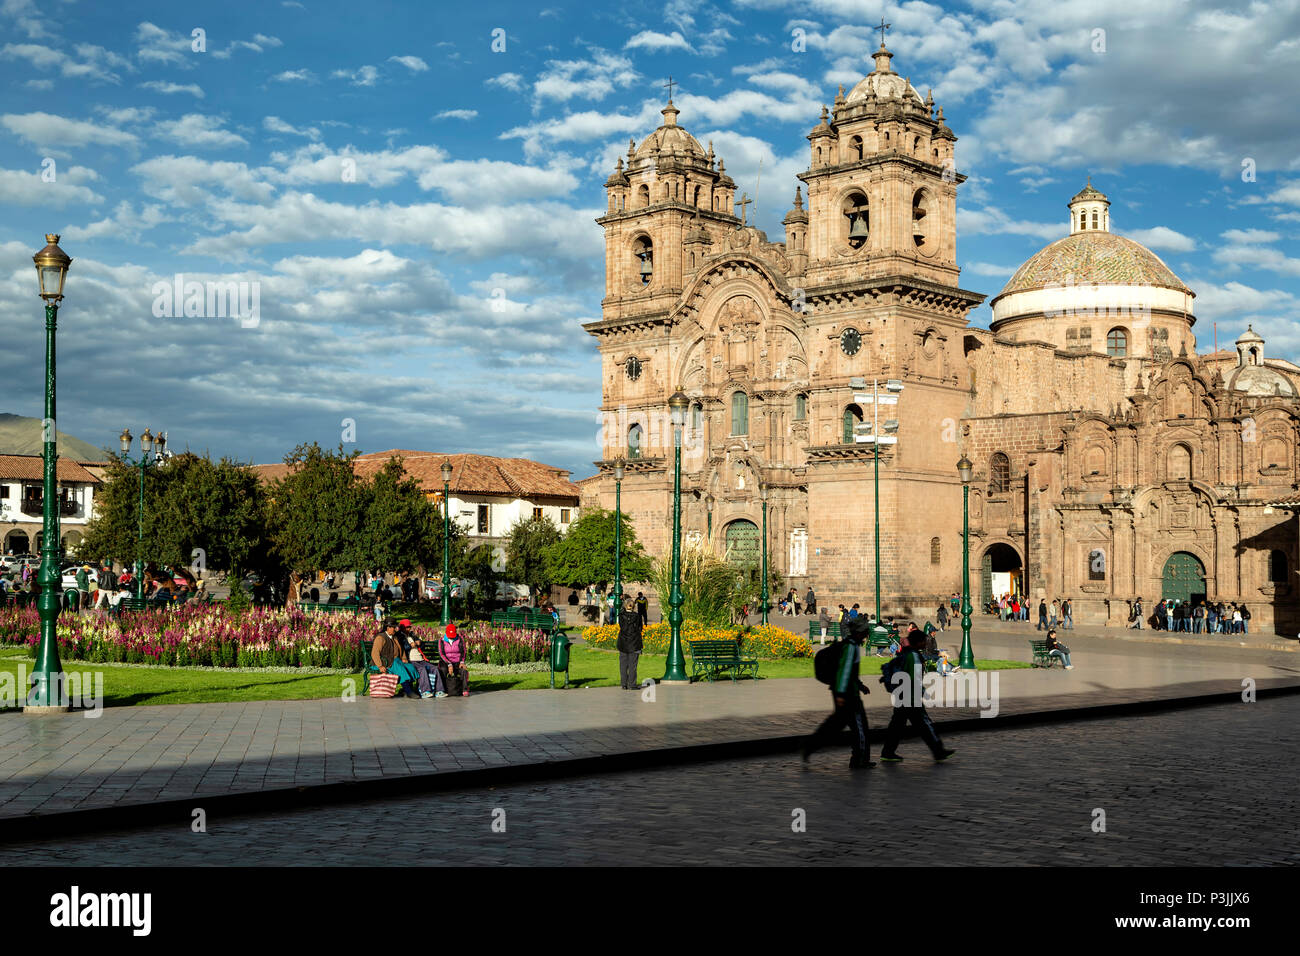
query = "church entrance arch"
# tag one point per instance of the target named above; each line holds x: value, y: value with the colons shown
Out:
x: 1000, y: 572
x: 743, y: 548
x: 1183, y: 578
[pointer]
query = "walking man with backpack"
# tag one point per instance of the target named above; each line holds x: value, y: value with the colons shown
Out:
x: 837, y: 666
x: 903, y: 677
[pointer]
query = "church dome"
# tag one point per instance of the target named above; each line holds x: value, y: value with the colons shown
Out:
x: 882, y: 83
x: 1093, y: 258
x: 670, y: 139
x: 1252, y: 376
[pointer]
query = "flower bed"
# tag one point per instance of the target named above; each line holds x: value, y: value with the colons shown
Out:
x: 211, y: 636
x: 763, y: 640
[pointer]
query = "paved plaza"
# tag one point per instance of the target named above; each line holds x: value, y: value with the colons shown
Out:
x: 145, y: 756
x: 1196, y: 788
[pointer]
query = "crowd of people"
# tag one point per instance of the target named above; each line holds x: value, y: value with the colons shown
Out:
x: 101, y: 588
x: 1194, y: 617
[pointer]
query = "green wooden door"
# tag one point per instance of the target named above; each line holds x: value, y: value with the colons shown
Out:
x: 743, y: 548
x: 1183, y: 577
x: 986, y: 579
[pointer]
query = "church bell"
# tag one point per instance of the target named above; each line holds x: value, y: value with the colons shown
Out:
x: 858, y: 231
x: 646, y: 270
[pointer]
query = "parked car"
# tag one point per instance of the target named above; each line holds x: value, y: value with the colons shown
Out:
x: 14, y: 562
x: 70, y: 576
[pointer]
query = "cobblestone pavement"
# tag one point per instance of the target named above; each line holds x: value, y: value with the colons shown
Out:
x: 1207, y: 787
x: 140, y: 755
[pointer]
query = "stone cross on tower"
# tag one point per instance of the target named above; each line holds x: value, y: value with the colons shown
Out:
x: 742, y: 202
x: 669, y: 87
x: 882, y: 27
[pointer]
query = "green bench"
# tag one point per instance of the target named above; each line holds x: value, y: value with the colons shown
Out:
x: 428, y: 648
x: 1041, y: 656
x: 710, y: 659
x: 537, y: 620
x: 309, y: 607
x: 879, y: 643
x: 815, y: 631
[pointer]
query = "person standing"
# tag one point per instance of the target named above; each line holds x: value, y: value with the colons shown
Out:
x: 629, y: 645
x: 1054, y: 613
x: 1245, y: 619
x: 1137, y: 613
x: 941, y: 614
x: 907, y: 693
x: 955, y: 603
x: 1042, y: 615
x: 642, y: 608
x: 846, y: 693
x: 824, y: 619
x: 1067, y: 614
x: 810, y: 602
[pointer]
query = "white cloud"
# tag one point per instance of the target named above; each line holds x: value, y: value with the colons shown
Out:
x: 276, y: 125
x: 989, y: 269
x: 294, y: 76
x: 157, y: 45
x: 362, y: 76
x: 456, y: 114
x: 652, y: 40
x: 479, y: 182
x: 1255, y: 256
x: 593, y: 79
x: 1162, y: 237
x: 46, y: 129
x: 412, y: 63
x: 993, y: 221
x: 259, y: 44
x: 29, y: 189
x: 1251, y: 235
x: 315, y: 163
x: 90, y: 62
x: 507, y: 81
x: 181, y: 179
x: 125, y: 222
x: 197, y: 131
x: 160, y: 86
x: 1237, y: 300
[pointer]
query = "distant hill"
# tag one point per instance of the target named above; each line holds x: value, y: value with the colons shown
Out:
x: 22, y: 436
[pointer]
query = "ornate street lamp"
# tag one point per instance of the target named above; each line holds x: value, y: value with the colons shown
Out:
x: 762, y: 601
x: 708, y: 503
x: 46, y: 695
x: 967, y: 659
x: 618, y: 535
x: 675, y: 673
x: 446, y: 543
x: 147, y: 442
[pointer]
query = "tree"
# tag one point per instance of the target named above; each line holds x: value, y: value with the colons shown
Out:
x: 316, y: 513
x: 476, y: 565
x: 585, y: 555
x: 526, y: 552
x: 398, y: 529
x: 191, y: 504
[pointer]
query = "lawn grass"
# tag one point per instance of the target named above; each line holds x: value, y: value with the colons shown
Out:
x: 588, y: 667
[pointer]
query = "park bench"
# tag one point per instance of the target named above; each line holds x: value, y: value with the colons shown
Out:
x: 710, y: 659
x: 1041, y: 657
x: 879, y: 643
x: 815, y: 631
x: 309, y: 607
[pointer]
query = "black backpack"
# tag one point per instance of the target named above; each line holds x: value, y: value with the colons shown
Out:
x: 891, y: 667
x: 826, y: 663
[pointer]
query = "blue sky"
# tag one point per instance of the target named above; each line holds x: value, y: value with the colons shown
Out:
x: 416, y: 207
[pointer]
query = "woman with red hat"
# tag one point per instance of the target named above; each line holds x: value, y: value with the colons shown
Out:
x: 451, y: 655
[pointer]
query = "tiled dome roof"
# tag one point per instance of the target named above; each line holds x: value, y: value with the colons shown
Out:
x: 1093, y: 258
x: 670, y: 139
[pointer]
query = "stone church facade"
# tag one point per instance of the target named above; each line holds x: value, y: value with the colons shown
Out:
x: 1111, y: 460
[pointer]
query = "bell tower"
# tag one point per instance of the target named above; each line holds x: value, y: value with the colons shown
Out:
x: 882, y: 184
x: 666, y: 207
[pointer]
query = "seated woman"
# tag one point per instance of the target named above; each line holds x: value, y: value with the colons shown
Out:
x: 451, y: 654
x: 388, y: 656
x: 1055, y: 649
x: 945, y: 665
x: 430, y: 680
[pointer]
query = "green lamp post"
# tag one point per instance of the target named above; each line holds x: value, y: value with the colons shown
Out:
x: 446, y: 543
x: 762, y: 600
x: 967, y: 659
x: 618, y: 535
x: 46, y: 694
x: 147, y: 442
x: 675, y: 672
x: 893, y: 386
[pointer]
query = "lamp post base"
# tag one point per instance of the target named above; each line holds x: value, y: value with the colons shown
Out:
x: 40, y: 710
x: 665, y: 680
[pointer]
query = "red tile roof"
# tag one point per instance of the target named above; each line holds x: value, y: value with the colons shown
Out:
x: 471, y: 474
x: 32, y: 468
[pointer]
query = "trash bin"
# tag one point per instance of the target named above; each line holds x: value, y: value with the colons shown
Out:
x: 559, y: 656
